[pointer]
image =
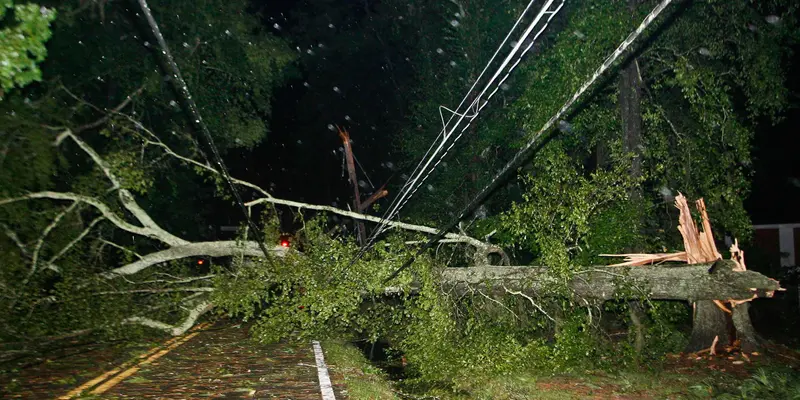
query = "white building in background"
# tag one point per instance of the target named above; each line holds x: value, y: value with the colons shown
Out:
x: 780, y: 240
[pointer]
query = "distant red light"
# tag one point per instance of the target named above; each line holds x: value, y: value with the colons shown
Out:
x: 285, y: 243
x: 200, y: 262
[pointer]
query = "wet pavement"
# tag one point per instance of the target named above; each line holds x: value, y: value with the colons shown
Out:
x: 219, y: 361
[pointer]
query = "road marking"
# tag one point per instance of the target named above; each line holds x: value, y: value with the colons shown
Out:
x: 325, y: 387
x: 130, y: 367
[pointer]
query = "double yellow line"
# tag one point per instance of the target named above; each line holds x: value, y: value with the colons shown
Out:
x: 109, y: 379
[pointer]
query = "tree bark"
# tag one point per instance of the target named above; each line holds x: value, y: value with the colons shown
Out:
x: 630, y: 104
x: 749, y: 340
x: 663, y: 282
x: 708, y: 322
x: 637, y: 315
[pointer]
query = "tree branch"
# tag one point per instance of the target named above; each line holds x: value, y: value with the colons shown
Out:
x: 112, y: 244
x: 177, y: 280
x: 147, y: 291
x: 42, y: 237
x: 530, y: 299
x: 76, y: 240
x: 14, y: 238
x: 211, y: 249
x: 125, y: 196
x: 150, y: 232
x: 107, y: 117
x: 155, y: 141
x: 175, y: 330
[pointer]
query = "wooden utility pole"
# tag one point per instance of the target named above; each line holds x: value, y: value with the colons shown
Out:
x: 351, y: 171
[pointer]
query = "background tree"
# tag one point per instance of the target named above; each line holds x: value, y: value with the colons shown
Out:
x: 22, y: 43
x: 576, y: 200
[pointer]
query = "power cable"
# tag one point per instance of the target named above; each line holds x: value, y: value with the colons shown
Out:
x: 528, y: 150
x: 183, y: 90
x: 413, y: 184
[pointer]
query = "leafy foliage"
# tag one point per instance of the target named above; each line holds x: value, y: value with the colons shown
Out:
x: 22, y: 43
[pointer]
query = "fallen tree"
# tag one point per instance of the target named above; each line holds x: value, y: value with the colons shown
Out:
x: 707, y: 281
x: 124, y: 213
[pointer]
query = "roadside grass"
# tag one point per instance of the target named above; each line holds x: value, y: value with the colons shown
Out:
x: 588, y: 385
x: 767, y: 382
x: 362, y: 379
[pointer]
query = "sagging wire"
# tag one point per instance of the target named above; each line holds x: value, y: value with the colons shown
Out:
x: 478, y: 103
x: 534, y: 143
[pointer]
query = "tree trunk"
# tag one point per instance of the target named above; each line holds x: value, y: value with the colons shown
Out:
x: 748, y: 338
x: 661, y: 282
x: 708, y: 322
x: 630, y: 104
x: 637, y: 321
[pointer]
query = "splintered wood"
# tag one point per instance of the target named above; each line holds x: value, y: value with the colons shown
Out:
x: 699, y: 245
x: 737, y: 255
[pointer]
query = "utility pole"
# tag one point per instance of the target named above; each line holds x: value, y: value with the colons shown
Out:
x: 351, y: 171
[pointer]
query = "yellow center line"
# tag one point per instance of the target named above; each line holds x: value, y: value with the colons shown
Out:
x: 130, y: 371
x: 146, y: 358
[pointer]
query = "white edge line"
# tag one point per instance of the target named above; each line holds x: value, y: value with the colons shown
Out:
x: 325, y: 386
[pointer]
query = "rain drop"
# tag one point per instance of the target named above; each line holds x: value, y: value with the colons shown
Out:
x: 455, y: 23
x: 336, y: 89
x: 772, y: 19
x: 330, y: 26
x: 452, y: 63
x: 439, y: 51
x: 331, y: 128
x: 430, y: 187
x: 276, y: 26
x: 306, y: 84
x: 347, y: 118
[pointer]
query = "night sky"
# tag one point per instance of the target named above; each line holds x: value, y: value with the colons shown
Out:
x: 302, y: 158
